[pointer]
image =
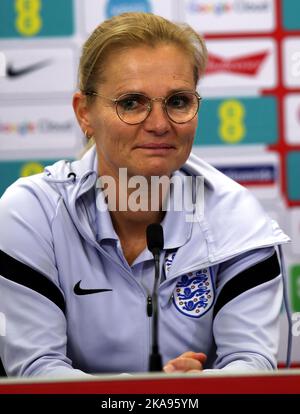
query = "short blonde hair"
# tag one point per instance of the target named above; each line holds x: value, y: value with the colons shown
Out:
x: 132, y: 30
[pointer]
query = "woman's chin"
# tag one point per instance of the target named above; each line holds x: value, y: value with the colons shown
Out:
x: 148, y: 173
x: 158, y: 169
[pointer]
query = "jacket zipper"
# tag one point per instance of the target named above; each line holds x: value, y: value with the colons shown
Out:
x: 149, y: 306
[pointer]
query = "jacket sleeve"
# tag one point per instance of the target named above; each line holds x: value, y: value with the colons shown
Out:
x: 33, y: 340
x: 247, y: 310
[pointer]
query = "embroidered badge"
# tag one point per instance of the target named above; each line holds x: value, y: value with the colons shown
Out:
x: 194, y: 293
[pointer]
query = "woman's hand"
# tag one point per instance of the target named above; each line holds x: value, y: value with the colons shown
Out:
x: 187, y: 362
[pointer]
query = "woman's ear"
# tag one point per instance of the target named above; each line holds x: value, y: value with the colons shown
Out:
x: 82, y: 112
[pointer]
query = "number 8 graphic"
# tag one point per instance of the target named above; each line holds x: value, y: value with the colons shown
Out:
x: 28, y: 21
x: 231, y: 129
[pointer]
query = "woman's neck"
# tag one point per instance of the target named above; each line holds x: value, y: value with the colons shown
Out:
x: 134, y: 223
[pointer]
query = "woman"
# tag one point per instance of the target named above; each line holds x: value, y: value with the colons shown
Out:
x: 76, y: 277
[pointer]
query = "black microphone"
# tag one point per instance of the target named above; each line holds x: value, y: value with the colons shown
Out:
x: 155, y: 243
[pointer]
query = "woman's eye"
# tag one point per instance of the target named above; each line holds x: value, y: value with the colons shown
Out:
x: 128, y: 104
x: 131, y: 102
x: 179, y: 101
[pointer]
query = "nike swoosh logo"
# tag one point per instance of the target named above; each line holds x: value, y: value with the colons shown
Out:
x: 12, y: 72
x: 79, y: 291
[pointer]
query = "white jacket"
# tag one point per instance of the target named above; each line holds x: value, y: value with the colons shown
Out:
x: 221, y: 291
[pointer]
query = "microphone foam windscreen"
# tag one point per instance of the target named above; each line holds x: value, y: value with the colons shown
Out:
x: 155, y: 237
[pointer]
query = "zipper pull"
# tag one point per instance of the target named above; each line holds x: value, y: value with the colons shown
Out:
x: 149, y: 306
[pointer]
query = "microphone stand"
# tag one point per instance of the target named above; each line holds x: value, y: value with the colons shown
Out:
x: 155, y: 360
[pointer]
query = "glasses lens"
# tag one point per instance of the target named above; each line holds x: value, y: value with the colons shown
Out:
x: 133, y: 108
x: 182, y: 106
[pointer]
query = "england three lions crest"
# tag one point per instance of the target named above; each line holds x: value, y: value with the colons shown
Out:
x: 194, y: 293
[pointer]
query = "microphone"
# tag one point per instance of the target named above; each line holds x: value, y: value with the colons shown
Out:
x: 155, y: 243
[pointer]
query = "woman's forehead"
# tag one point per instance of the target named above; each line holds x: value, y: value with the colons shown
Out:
x: 147, y: 64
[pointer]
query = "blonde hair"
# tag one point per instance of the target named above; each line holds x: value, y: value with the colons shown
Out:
x: 132, y: 30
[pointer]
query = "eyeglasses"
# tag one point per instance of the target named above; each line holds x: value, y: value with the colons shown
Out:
x: 134, y: 108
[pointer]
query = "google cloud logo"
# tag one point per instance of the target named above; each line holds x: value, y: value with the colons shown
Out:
x: 115, y: 7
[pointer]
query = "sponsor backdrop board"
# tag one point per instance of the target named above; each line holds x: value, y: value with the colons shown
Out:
x: 249, y: 122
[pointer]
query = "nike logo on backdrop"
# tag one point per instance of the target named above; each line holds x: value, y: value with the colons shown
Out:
x: 12, y: 72
x: 79, y: 291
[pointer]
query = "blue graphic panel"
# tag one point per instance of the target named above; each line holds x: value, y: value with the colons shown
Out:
x: 10, y: 171
x: 293, y: 175
x: 291, y: 14
x: 36, y: 18
x: 115, y: 7
x: 238, y: 121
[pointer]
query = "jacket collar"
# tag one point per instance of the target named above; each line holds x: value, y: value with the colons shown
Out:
x: 233, y: 221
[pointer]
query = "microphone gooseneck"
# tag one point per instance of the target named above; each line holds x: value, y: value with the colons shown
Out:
x: 155, y: 243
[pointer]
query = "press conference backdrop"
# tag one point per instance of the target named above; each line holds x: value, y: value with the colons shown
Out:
x: 249, y: 123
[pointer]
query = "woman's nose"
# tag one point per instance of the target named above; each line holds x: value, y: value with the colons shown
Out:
x: 157, y: 120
